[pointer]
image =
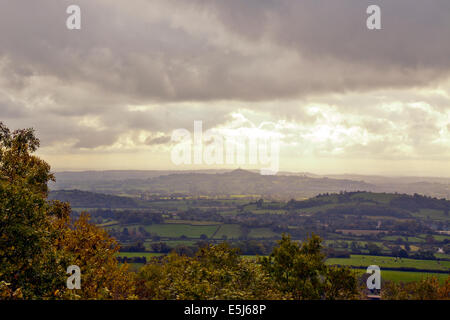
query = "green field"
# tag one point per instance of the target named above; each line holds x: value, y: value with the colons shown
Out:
x: 441, y: 237
x: 430, y: 213
x: 403, y: 276
x: 147, y: 255
x: 259, y: 233
x: 192, y: 222
x: 338, y: 243
x: 442, y: 256
x: 318, y: 208
x: 269, y: 211
x: 406, y: 276
x: 177, y: 230
x: 390, y: 262
x: 379, y: 197
x: 406, y: 239
x: 172, y: 243
x: 108, y: 224
x: 232, y: 231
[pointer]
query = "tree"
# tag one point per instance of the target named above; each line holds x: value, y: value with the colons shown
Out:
x: 28, y: 267
x: 300, y: 271
x: 373, y: 249
x: 183, y: 250
x: 160, y: 247
x: 38, y: 240
x: 430, y: 239
x: 17, y: 164
x: 447, y: 249
x: 94, y: 251
x: 426, y: 289
x: 215, y: 272
x: 259, y: 203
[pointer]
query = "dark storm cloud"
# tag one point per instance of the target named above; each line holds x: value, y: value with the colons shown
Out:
x: 123, y: 49
x: 413, y: 36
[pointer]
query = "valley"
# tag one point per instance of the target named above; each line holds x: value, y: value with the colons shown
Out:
x: 404, y: 234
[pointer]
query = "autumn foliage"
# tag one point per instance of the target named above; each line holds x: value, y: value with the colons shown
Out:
x: 215, y: 272
x: 38, y: 240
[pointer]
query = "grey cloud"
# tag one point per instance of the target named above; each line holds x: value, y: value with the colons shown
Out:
x: 10, y: 109
x: 89, y: 139
x: 122, y: 49
x: 413, y: 34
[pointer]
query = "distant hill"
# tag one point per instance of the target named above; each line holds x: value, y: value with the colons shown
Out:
x: 250, y: 183
x: 432, y: 186
x: 85, y: 199
x: 117, y: 175
x: 284, y: 185
x: 236, y: 182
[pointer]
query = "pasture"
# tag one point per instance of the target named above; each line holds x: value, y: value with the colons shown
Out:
x: 390, y: 262
x: 177, y: 230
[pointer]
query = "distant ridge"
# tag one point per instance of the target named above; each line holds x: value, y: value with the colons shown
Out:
x: 241, y: 181
x: 242, y: 172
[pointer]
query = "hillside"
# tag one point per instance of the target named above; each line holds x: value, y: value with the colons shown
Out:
x: 85, y: 199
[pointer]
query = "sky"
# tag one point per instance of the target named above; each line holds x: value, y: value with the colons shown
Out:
x: 339, y: 97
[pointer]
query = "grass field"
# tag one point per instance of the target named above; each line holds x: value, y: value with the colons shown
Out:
x: 178, y: 230
x: 430, y: 213
x: 405, y: 276
x: 318, y: 208
x: 349, y: 242
x: 147, y: 255
x: 407, y: 239
x: 390, y: 262
x: 442, y: 256
x: 269, y: 211
x: 109, y: 223
x: 262, y: 233
x: 172, y: 243
x: 441, y: 237
x: 232, y: 231
x: 379, y: 197
x: 192, y: 222
x: 359, y: 232
x: 175, y: 230
x: 402, y: 276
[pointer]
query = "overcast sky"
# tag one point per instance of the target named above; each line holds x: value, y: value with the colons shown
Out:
x: 342, y: 98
